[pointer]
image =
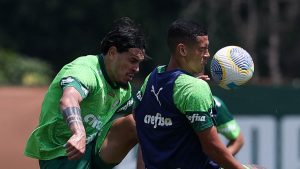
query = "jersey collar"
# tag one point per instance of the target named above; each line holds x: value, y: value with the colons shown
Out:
x: 162, y: 69
x: 102, y: 67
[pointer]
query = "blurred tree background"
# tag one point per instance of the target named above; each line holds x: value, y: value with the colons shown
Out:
x: 52, y: 33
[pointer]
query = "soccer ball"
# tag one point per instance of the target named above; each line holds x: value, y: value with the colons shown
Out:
x: 231, y: 67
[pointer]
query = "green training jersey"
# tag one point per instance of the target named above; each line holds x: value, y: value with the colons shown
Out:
x: 226, y: 124
x: 192, y: 97
x: 102, y: 101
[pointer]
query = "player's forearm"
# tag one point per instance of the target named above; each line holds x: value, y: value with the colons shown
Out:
x: 216, y: 150
x: 234, y: 146
x: 69, y: 105
x: 73, y: 118
x: 75, y: 146
x: 223, y: 158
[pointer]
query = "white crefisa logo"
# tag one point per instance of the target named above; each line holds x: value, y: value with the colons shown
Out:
x: 157, y: 120
x: 66, y: 80
x: 195, y: 118
x: 229, y: 128
x: 128, y: 104
x: 93, y: 121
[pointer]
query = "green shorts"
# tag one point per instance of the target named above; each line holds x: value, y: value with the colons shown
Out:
x: 90, y: 160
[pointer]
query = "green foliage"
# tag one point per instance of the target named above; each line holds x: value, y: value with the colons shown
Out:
x: 60, y: 31
x: 20, y: 70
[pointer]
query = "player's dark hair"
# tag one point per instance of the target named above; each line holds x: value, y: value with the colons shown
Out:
x: 124, y: 35
x: 184, y: 31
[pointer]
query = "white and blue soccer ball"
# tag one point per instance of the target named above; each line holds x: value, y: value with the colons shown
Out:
x: 231, y: 67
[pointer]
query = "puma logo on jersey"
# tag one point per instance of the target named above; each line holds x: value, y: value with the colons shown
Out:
x: 195, y: 118
x: 156, y: 94
x: 139, y: 95
x: 157, y: 120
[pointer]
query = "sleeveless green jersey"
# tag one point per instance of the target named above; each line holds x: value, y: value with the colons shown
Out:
x: 102, y: 100
x: 192, y: 97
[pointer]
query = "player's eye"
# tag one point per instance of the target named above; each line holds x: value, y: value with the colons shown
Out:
x: 203, y: 49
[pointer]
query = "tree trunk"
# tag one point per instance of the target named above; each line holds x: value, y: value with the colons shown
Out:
x: 247, y: 29
x: 191, y: 9
x: 274, y: 42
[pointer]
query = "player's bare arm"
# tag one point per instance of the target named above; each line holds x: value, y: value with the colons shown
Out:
x: 69, y: 104
x: 235, y: 145
x: 216, y: 150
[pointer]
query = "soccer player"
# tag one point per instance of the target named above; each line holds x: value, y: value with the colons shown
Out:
x: 225, y: 124
x: 85, y: 120
x: 174, y: 119
x: 228, y: 127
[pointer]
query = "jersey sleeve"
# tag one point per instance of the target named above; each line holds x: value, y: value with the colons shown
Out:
x: 226, y: 124
x: 79, y: 75
x: 73, y: 82
x: 230, y: 130
x: 193, y: 98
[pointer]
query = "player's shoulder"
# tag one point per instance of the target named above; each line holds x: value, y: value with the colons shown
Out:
x: 191, y: 87
x: 87, y: 59
x: 160, y: 69
x: 81, y: 66
x: 190, y: 82
x: 192, y: 94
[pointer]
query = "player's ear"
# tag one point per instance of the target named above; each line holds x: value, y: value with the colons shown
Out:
x: 182, y: 49
x: 112, y: 52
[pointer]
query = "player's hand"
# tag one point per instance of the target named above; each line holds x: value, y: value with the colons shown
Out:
x: 204, y: 77
x: 76, y: 146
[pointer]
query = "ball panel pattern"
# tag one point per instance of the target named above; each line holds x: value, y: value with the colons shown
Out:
x: 217, y: 69
x: 231, y: 67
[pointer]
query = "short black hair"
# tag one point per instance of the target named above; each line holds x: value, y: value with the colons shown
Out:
x: 124, y: 35
x: 184, y: 31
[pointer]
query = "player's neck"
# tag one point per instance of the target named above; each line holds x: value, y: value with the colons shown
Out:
x: 107, y: 67
x: 176, y: 63
x: 173, y: 64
